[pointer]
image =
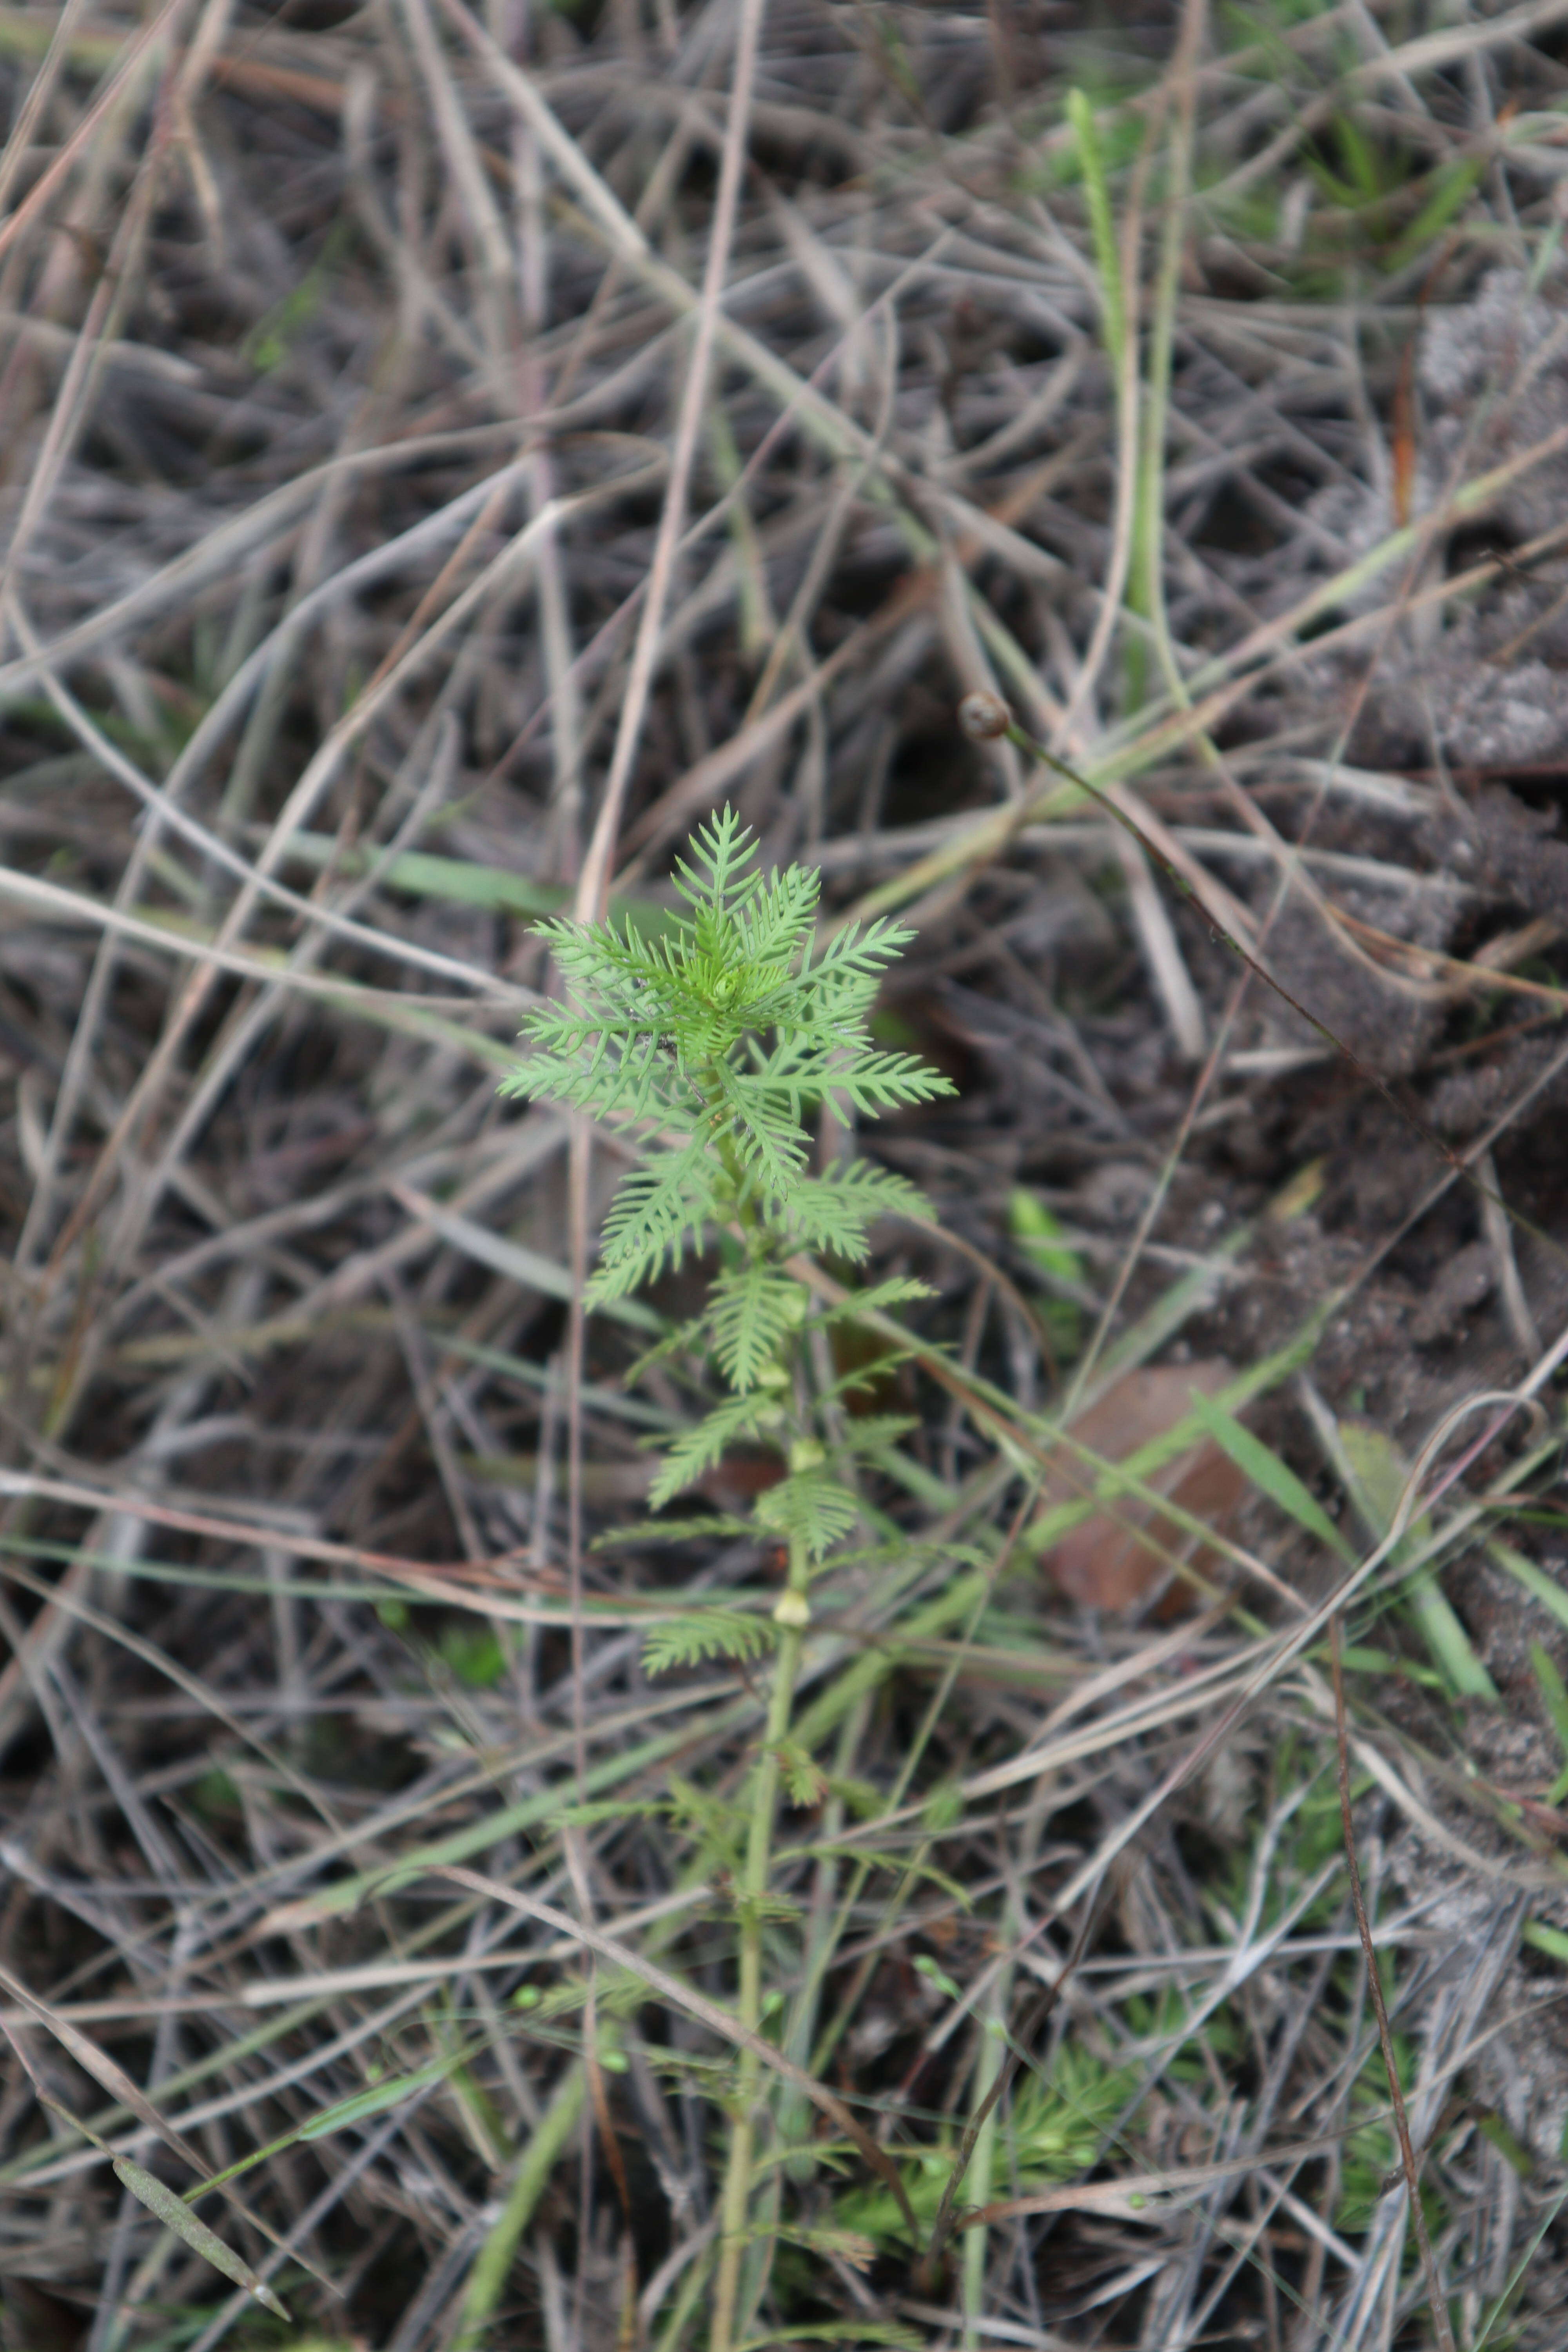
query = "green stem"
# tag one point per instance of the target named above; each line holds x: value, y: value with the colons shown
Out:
x: 1157, y: 406
x: 982, y: 2164
x: 1101, y: 225
x: 792, y: 1616
x: 1118, y: 290
x: 537, y: 2159
x: 823, y: 1938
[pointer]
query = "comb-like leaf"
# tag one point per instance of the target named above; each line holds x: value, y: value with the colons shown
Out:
x: 810, y: 1510
x: 692, y: 1639
x: 751, y: 1312
x: 658, y: 1211
x: 698, y: 1449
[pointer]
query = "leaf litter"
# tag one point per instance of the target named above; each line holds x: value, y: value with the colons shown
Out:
x: 343, y: 356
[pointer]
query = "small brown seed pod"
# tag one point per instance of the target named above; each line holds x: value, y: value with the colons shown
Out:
x: 983, y: 716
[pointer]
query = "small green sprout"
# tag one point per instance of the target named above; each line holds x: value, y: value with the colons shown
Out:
x: 723, y: 1038
x: 725, y: 1034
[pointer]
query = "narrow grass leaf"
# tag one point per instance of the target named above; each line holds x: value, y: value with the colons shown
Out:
x: 1555, y: 1694
x: 1039, y: 1236
x: 376, y: 2100
x: 1358, y: 1658
x: 490, y: 1830
x: 1268, y: 1473
x: 536, y: 2161
x: 1377, y: 1475
x: 839, y: 2331
x: 1102, y: 226
x: 1452, y: 189
x: 103, y: 2070
x: 1535, y: 1581
x: 1448, y: 1640
x: 176, y: 2215
x: 337, y: 2117
x: 460, y: 882
x: 1042, y: 1238
x: 527, y: 1267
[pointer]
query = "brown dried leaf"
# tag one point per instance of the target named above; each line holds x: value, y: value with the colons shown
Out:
x: 1112, y: 1559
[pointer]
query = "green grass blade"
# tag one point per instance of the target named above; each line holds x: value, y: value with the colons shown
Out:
x: 1102, y: 226
x: 337, y: 2117
x: 527, y: 1267
x: 508, y: 1821
x: 1554, y: 1693
x: 840, y: 2331
x: 460, y: 882
x: 1126, y: 1476
x: 1377, y: 1474
x: 376, y: 2100
x: 1535, y: 1581
x: 1269, y: 1475
x: 1453, y: 187
x: 1447, y: 1639
x: 492, y: 2264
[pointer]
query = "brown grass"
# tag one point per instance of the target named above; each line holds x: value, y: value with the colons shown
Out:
x: 446, y: 452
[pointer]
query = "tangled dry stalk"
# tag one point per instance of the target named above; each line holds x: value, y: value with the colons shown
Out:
x: 448, y: 450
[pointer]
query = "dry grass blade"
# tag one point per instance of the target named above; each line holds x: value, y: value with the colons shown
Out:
x: 450, y: 452
x: 175, y: 2215
x: 143, y: 2185
x: 1139, y: 2193
x: 1436, y: 2299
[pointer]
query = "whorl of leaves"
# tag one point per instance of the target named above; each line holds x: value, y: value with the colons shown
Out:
x: 728, y: 1031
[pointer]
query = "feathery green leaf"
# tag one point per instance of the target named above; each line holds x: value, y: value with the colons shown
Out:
x: 699, y: 1449
x: 809, y: 1508
x: 658, y: 1211
x: 751, y: 1312
x: 692, y: 1639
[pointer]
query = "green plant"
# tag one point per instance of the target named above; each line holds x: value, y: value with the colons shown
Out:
x: 725, y: 1035
x: 1054, y: 2128
x: 1038, y: 1237
x: 474, y: 1655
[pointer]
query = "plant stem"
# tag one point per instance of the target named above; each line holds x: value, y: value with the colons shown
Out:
x: 982, y: 2163
x: 737, y: 2198
x: 824, y: 1934
x: 1157, y: 401
x: 492, y: 2264
x: 1101, y: 225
